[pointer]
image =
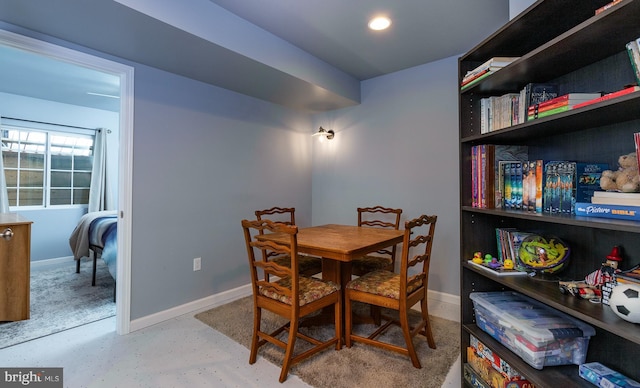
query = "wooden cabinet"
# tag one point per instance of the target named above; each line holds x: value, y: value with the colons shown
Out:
x: 15, y: 265
x: 560, y: 42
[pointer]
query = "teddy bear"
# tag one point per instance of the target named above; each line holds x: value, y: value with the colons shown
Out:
x: 625, y: 178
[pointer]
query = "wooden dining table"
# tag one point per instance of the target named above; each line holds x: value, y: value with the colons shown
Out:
x: 338, y: 245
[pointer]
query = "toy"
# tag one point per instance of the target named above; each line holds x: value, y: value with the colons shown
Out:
x: 625, y: 178
x: 508, y: 264
x: 477, y: 258
x: 543, y: 254
x: 625, y: 301
x: 580, y: 289
x: 605, y: 273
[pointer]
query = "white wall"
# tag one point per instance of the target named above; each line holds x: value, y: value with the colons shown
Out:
x: 52, y: 227
x: 399, y: 148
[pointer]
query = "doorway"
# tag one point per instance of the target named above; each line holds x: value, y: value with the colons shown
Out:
x: 125, y: 155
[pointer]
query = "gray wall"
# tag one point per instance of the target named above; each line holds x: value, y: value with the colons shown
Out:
x: 398, y: 148
x: 204, y: 159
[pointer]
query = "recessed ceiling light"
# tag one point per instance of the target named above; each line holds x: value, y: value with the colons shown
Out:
x: 379, y: 23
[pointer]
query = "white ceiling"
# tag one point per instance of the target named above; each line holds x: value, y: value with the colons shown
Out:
x: 332, y: 31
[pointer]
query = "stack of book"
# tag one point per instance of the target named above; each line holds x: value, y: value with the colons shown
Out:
x: 508, y: 241
x: 627, y: 90
x: 559, y: 104
x: 497, y: 112
x: 611, y: 204
x: 486, y: 186
x: 489, y: 67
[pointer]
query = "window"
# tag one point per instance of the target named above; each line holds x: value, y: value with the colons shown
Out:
x: 45, y: 167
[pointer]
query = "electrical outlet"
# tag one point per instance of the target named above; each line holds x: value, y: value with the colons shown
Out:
x: 196, y: 263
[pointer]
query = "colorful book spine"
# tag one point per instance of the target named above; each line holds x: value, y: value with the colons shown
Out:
x: 608, y: 96
x: 539, y: 115
x: 539, y: 184
x: 516, y: 169
x: 508, y: 188
x: 631, y: 213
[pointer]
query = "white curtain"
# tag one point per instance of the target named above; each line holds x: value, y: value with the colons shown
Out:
x: 100, y: 192
x: 4, y: 195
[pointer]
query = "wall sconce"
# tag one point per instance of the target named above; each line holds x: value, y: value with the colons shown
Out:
x: 323, y: 133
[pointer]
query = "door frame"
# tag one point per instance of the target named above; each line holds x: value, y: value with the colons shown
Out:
x: 125, y: 154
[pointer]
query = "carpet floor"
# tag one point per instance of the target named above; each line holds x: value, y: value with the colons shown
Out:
x: 62, y: 299
x: 358, y: 366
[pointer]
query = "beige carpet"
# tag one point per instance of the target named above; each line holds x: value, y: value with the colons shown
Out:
x: 358, y: 366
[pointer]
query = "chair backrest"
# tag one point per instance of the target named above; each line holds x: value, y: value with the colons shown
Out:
x: 381, y: 217
x: 284, y: 215
x: 416, y: 250
x: 262, y: 269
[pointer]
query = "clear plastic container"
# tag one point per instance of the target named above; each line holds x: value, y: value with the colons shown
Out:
x: 540, y: 335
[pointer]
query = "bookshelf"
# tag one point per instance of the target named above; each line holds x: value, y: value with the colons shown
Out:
x: 560, y: 42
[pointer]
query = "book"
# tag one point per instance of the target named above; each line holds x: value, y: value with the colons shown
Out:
x: 536, y: 93
x: 621, y: 212
x: 551, y: 195
x: 607, y: 6
x: 615, y: 198
x: 608, y: 96
x: 633, y: 50
x: 476, y: 80
x: 508, y: 187
x: 615, y: 194
x: 487, y: 171
x: 539, y: 182
x: 532, y: 186
x: 495, y: 62
x: 499, y: 271
x: 569, y: 99
x: 587, y: 181
x: 539, y: 115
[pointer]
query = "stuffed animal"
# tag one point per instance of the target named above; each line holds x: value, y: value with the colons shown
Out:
x: 625, y: 178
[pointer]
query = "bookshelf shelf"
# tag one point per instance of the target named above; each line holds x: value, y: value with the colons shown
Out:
x: 580, y: 52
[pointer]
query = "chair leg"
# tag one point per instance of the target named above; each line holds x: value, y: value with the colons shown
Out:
x: 257, y: 316
x: 347, y: 321
x: 427, y: 327
x: 338, y: 323
x: 406, y: 331
x: 288, y: 355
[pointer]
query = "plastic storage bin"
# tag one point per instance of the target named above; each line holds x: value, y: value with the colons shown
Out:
x: 540, y: 335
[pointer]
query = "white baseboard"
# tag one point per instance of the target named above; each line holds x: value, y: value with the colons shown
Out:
x: 191, y: 307
x: 57, y: 260
x: 443, y: 305
x: 440, y: 304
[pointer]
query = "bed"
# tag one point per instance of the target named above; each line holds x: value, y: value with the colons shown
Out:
x: 96, y: 235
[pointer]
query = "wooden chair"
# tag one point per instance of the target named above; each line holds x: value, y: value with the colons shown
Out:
x: 309, y: 265
x: 292, y: 296
x: 380, y: 217
x: 399, y: 292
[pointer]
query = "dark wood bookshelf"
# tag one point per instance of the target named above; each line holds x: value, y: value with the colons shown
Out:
x: 560, y: 42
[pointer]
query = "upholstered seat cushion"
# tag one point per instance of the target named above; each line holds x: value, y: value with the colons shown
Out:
x: 381, y: 282
x: 310, y: 289
x: 367, y: 264
x: 306, y: 264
